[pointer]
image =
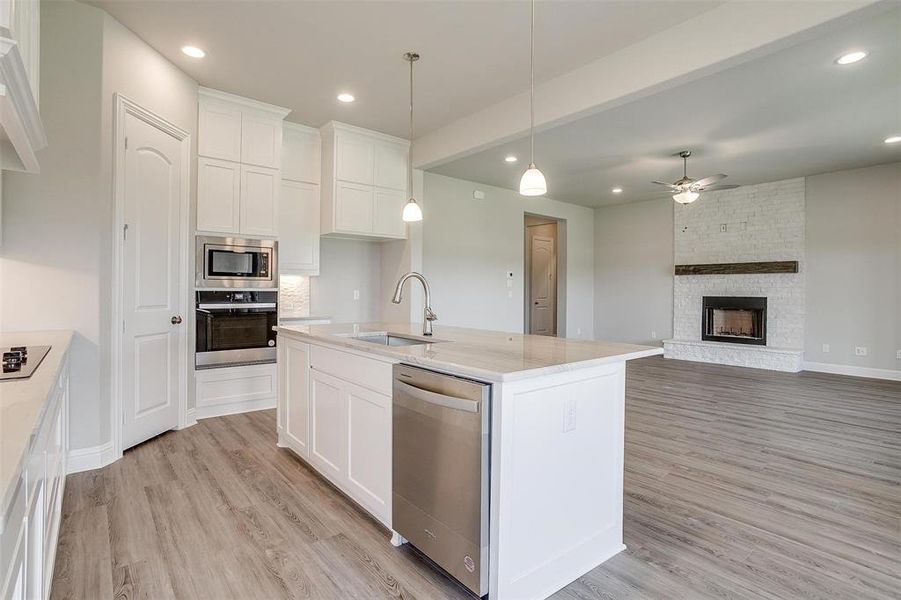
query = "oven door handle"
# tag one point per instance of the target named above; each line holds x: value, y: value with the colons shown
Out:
x: 237, y: 305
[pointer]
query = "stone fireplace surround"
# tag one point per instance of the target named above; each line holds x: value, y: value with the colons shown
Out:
x: 749, y: 224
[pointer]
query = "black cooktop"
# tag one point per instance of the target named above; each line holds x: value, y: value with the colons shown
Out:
x: 19, y: 362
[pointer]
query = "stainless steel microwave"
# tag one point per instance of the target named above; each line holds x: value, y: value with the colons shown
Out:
x: 224, y: 262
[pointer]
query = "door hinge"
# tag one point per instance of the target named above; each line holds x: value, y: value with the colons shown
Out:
x: 125, y: 232
x: 123, y: 325
x: 126, y: 142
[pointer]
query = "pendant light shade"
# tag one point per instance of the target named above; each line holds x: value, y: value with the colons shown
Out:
x: 532, y: 182
x: 686, y: 197
x: 412, y: 211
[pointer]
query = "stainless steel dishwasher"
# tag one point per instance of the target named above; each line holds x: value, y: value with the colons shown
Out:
x: 441, y: 476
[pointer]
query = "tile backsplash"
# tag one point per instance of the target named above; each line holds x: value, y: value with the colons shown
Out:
x: 294, y: 295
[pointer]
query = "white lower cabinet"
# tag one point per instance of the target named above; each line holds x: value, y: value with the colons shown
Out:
x: 335, y: 411
x: 230, y: 390
x: 30, y: 523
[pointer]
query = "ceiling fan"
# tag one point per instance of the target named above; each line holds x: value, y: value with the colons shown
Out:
x: 687, y: 190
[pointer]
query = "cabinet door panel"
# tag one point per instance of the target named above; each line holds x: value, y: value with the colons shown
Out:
x: 354, y: 158
x: 353, y: 207
x: 259, y: 200
x: 295, y: 361
x: 390, y: 166
x: 298, y: 228
x: 301, y: 160
x: 328, y: 427
x: 219, y: 131
x: 218, y: 195
x: 369, y: 449
x: 388, y: 213
x: 261, y: 141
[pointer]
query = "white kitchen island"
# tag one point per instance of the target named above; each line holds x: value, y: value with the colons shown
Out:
x: 556, y: 463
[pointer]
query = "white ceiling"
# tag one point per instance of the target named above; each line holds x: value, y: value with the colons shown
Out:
x: 474, y: 53
x: 788, y: 114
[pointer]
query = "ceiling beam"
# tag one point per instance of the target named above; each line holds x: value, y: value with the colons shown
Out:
x: 730, y: 34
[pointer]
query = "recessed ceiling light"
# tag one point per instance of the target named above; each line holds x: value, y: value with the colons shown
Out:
x: 510, y: 159
x: 893, y: 139
x: 617, y: 190
x: 193, y: 51
x: 851, y: 57
x: 346, y: 98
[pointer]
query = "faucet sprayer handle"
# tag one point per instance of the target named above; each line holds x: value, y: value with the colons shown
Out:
x: 430, y: 314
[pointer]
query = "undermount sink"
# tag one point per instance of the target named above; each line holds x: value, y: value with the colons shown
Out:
x: 390, y: 339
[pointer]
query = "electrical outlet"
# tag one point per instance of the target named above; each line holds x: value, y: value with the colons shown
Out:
x: 826, y: 348
x: 724, y: 228
x: 860, y: 350
x: 509, y: 293
x: 653, y: 335
x: 569, y: 414
x: 356, y: 294
x: 579, y: 331
x: 898, y: 354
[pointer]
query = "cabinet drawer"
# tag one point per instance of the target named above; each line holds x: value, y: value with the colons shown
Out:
x: 367, y: 372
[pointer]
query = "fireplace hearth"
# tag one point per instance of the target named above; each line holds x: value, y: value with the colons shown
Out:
x: 734, y: 319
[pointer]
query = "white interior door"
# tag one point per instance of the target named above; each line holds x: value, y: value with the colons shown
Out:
x: 151, y: 291
x: 542, y: 286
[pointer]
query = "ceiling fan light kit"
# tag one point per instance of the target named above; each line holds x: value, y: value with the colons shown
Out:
x: 532, y: 182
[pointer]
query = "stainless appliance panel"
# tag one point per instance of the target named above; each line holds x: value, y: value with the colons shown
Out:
x: 227, y: 262
x: 235, y: 327
x: 441, y: 470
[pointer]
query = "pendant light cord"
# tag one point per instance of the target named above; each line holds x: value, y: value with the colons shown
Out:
x: 532, y: 85
x: 410, y: 149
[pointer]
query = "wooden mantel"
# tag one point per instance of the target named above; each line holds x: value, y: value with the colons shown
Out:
x: 746, y: 268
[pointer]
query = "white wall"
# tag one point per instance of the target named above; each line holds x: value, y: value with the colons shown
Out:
x: 633, y: 269
x: 854, y: 266
x: 345, y: 266
x: 57, y: 259
x: 52, y: 254
x: 469, y: 245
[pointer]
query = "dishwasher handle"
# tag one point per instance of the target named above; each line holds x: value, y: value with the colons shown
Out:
x: 439, y: 399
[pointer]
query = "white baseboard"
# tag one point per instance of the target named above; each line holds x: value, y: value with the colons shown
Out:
x: 853, y: 371
x: 190, y: 419
x: 233, y: 408
x: 88, y: 459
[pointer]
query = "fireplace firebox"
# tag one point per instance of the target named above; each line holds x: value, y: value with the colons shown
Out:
x: 734, y: 319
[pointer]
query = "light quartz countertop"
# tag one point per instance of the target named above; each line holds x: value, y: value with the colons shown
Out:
x: 23, y: 402
x: 476, y: 353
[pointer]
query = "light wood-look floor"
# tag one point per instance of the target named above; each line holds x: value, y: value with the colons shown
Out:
x: 739, y: 484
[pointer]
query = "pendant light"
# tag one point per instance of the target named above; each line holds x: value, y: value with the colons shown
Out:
x: 412, y: 212
x: 532, y: 182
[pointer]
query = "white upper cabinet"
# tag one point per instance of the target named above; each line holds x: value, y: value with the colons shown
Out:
x: 218, y: 195
x: 219, y: 130
x: 298, y: 228
x: 21, y: 129
x: 364, y: 183
x: 261, y: 140
x: 240, y: 143
x: 259, y: 200
x: 300, y: 153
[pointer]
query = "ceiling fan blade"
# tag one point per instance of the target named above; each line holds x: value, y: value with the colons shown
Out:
x: 669, y: 185
x: 722, y: 186
x: 700, y: 183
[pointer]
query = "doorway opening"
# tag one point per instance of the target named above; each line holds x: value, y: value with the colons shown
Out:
x: 544, y: 301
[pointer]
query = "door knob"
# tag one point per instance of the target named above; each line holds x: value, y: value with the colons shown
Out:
x: 176, y: 320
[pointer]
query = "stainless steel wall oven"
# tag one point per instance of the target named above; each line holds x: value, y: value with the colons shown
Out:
x: 235, y: 327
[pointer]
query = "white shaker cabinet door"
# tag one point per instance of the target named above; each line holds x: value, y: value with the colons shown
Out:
x: 218, y: 195
x: 353, y: 207
x: 388, y: 213
x: 328, y: 429
x: 369, y: 449
x: 259, y: 200
x: 219, y: 131
x: 354, y: 155
x: 301, y: 154
x: 390, y: 166
x: 261, y: 140
x: 298, y: 228
x: 294, y: 391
